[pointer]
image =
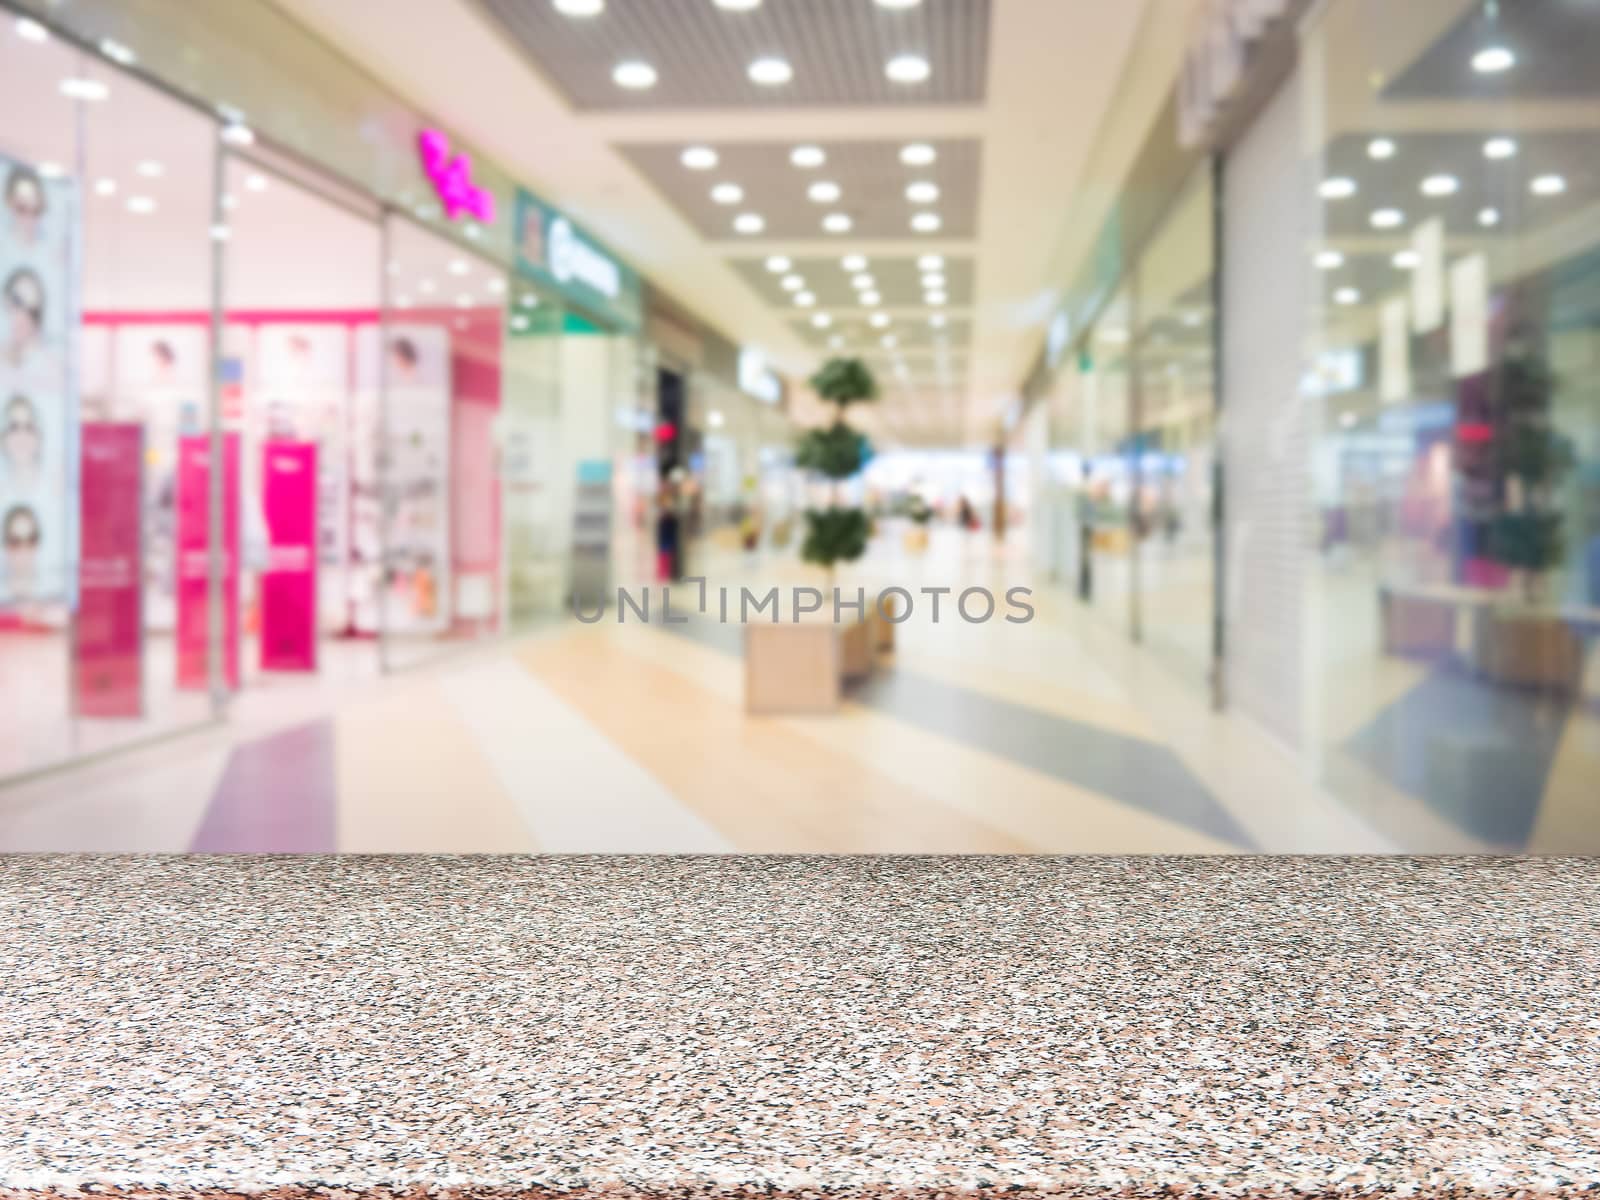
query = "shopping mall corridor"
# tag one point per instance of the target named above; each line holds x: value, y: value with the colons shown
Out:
x: 991, y: 738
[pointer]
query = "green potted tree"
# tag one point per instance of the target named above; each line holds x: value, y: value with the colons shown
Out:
x: 837, y: 533
x: 1528, y: 644
x: 918, y: 509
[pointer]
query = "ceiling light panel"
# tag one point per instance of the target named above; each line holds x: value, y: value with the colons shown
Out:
x: 874, y: 187
x: 844, y: 53
x: 896, y: 279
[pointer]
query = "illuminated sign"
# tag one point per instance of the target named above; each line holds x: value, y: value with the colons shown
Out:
x: 755, y: 379
x: 451, y: 176
x: 572, y: 258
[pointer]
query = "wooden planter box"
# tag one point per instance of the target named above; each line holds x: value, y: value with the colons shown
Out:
x: 802, y: 667
x: 1532, y: 650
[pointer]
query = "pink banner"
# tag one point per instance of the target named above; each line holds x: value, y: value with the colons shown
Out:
x: 194, y: 529
x: 289, y: 582
x: 107, y: 664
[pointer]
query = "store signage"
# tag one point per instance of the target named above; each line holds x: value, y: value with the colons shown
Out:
x: 554, y: 251
x: 193, y: 633
x: 289, y: 582
x: 107, y: 643
x: 573, y: 258
x: 1221, y: 36
x: 755, y: 379
x: 451, y: 176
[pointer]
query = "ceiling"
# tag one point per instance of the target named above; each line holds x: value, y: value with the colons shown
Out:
x: 1004, y: 122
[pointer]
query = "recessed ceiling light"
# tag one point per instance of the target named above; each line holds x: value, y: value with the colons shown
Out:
x: 926, y: 222
x: 824, y: 191
x: 863, y: 282
x: 778, y: 264
x: 805, y: 300
x: 1387, y: 218
x: 141, y: 205
x: 1488, y: 216
x: 935, y: 297
x: 836, y: 341
x: 1440, y: 185
x: 30, y: 30
x: 854, y: 262
x: 699, y: 158
x: 917, y: 154
x: 84, y: 89
x: 463, y: 301
x: 793, y: 283
x: 738, y: 5
x: 458, y: 266
x: 117, y: 52
x: 1491, y: 60
x: 727, y: 193
x: 579, y: 8
x: 1405, y: 260
x: 529, y: 300
x: 748, y: 223
x: 1337, y: 188
x: 634, y: 75
x: 879, y: 320
x: 427, y: 286
x: 937, y: 320
x: 256, y: 182
x: 1328, y: 260
x: 1380, y: 148
x: 402, y: 302
x: 870, y: 299
x: 807, y: 156
x: 931, y: 262
x: 933, y: 279
x: 907, y: 68
x: 922, y: 192
x: 150, y: 169
x: 496, y: 285
x: 236, y: 133
x: 889, y: 340
x: 836, y: 223
x: 770, y: 72
x: 220, y: 233
x: 1347, y: 295
x: 1500, y: 147
x: 821, y: 320
x: 229, y: 201
x: 105, y: 187
x: 1548, y: 185
x: 898, y: 3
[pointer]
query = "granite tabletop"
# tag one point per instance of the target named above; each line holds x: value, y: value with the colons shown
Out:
x: 788, y: 1027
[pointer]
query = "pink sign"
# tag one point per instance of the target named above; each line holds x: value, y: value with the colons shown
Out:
x: 107, y: 666
x: 289, y: 582
x: 193, y: 546
x: 452, y: 178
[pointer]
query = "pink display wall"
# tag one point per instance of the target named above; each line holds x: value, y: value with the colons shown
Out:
x: 108, y: 639
x: 289, y: 577
x: 193, y: 546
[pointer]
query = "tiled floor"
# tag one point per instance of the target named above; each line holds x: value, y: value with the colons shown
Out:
x: 1058, y: 735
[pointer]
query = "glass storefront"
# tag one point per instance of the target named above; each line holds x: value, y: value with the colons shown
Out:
x: 1452, y: 353
x: 1127, y: 493
x: 263, y: 430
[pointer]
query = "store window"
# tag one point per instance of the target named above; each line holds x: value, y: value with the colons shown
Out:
x: 438, y: 359
x: 1451, y: 388
x: 106, y: 265
x: 1105, y: 433
x: 1176, y: 444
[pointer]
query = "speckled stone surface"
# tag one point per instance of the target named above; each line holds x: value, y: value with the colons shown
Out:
x: 862, y: 1027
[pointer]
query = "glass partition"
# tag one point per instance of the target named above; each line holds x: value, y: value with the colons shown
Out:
x: 1452, y: 375
x: 106, y: 266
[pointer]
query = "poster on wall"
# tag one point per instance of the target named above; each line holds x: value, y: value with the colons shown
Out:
x: 38, y: 412
x: 193, y: 584
x: 400, y: 561
x: 160, y: 381
x: 301, y: 393
x: 289, y: 491
x: 108, y: 637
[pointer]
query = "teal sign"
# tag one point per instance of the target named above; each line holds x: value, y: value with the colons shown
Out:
x: 554, y: 251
